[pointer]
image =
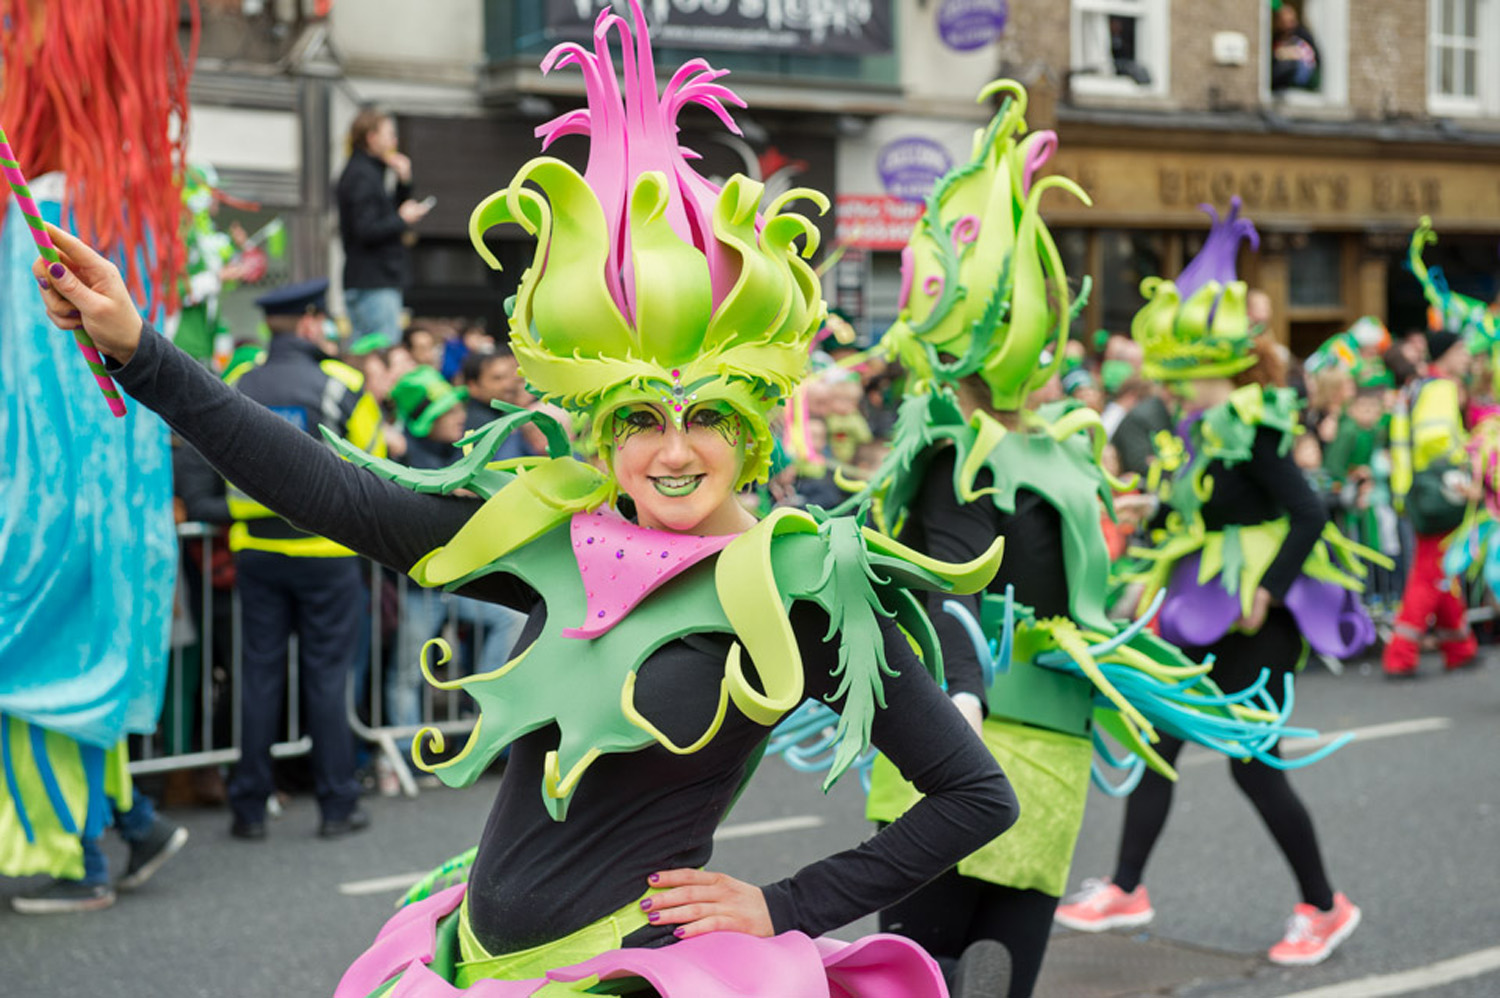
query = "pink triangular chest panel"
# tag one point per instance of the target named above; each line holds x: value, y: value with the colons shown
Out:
x: 622, y: 564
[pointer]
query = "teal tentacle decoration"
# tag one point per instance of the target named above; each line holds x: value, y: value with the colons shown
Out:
x: 808, y: 739
x: 1133, y: 765
x: 1005, y: 647
x: 983, y: 648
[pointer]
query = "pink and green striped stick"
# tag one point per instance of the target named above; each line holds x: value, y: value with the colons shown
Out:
x: 12, y: 170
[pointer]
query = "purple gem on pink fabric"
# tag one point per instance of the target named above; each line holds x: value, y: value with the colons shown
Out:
x: 600, y: 613
x: 663, y: 554
x: 589, y: 540
x: 620, y: 553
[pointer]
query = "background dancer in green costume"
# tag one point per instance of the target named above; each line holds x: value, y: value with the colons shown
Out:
x: 1253, y: 572
x: 657, y: 653
x: 984, y: 322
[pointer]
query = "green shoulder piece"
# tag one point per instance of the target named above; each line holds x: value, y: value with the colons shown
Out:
x: 1227, y: 431
x: 1056, y: 458
x: 852, y: 573
x: 598, y: 713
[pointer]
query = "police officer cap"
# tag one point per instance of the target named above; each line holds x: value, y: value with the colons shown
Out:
x: 295, y: 299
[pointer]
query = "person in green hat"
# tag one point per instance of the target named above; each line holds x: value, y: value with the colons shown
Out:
x: 432, y: 414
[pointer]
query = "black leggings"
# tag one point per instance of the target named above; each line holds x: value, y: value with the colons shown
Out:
x: 953, y: 911
x: 1238, y: 660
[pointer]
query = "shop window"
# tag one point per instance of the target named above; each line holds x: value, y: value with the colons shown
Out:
x: 1120, y: 47
x: 1127, y: 258
x: 1308, y: 46
x: 1315, y: 272
x: 1459, y: 81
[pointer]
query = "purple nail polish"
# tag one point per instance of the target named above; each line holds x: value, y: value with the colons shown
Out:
x: 654, y: 877
x: 75, y: 314
x: 645, y: 904
x: 679, y: 933
x: 57, y: 270
x: 41, y: 282
x: 654, y: 916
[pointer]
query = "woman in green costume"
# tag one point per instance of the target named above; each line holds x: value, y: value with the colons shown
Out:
x: 984, y: 322
x: 1252, y: 573
x: 667, y: 630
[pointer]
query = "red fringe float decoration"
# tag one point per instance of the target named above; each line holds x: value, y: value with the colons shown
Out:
x: 98, y: 89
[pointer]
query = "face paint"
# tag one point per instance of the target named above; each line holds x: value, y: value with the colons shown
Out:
x: 629, y: 421
x: 683, y: 478
x: 719, y: 417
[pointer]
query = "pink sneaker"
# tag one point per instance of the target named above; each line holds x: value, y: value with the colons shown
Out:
x: 1312, y: 934
x: 1101, y: 905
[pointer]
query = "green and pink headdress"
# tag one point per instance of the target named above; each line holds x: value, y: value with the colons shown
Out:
x: 651, y: 284
x: 982, y: 283
x: 1198, y: 326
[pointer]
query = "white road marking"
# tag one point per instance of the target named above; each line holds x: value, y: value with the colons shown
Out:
x: 750, y: 829
x: 1292, y: 747
x: 1409, y: 981
x: 380, y: 885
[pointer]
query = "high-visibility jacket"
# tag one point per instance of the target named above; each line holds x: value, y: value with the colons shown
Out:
x: 1427, y: 437
x: 309, y: 389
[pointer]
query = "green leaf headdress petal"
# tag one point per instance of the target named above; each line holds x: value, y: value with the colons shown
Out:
x: 647, y: 277
x: 981, y: 279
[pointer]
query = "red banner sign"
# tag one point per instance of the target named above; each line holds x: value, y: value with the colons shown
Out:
x: 875, y: 221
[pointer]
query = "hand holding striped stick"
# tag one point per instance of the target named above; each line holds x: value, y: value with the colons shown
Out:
x: 12, y: 170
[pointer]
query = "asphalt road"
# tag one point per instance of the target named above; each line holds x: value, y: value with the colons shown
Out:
x: 1409, y: 816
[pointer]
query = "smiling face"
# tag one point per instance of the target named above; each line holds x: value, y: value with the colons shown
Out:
x: 681, y: 479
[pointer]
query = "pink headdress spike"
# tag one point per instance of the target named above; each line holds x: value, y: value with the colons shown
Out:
x: 635, y: 133
x: 1039, y: 149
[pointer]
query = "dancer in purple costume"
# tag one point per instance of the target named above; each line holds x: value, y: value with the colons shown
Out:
x: 1253, y: 571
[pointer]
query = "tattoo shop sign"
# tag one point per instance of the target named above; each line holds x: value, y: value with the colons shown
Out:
x: 808, y: 27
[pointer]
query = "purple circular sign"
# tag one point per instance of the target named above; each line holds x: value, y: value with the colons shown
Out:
x: 971, y: 24
x: 910, y: 167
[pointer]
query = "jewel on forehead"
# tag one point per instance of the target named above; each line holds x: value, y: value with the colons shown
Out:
x: 678, y: 397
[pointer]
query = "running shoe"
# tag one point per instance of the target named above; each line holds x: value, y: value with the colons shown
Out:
x: 1312, y: 934
x: 1100, y: 905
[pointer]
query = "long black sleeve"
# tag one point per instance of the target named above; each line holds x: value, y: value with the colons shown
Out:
x: 967, y: 801
x: 289, y: 471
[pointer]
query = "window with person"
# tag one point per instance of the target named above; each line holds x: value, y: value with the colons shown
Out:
x: 1119, y: 46
x: 1296, y: 63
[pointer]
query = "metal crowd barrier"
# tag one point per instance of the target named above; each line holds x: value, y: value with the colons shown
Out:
x: 187, y: 736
